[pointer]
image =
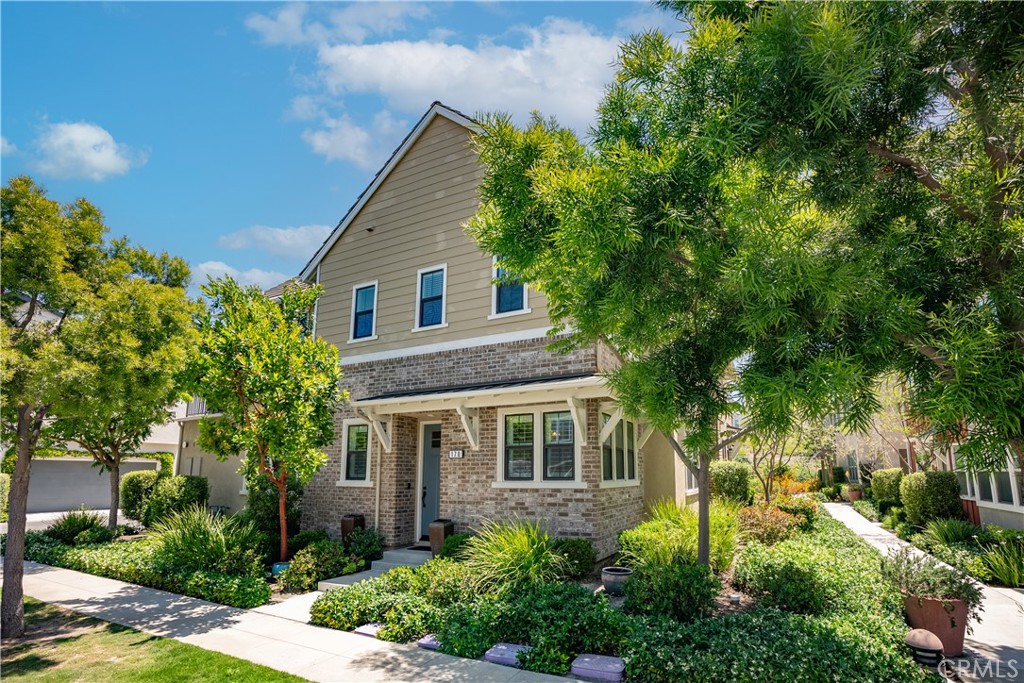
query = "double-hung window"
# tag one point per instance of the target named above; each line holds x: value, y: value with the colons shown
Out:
x: 508, y: 295
x: 355, y: 466
x: 538, y: 447
x: 519, y: 447
x: 364, y: 311
x: 430, y: 297
x: 618, y: 452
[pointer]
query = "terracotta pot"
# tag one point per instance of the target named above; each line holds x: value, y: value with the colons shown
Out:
x: 949, y: 625
x: 854, y: 494
x: 614, y: 579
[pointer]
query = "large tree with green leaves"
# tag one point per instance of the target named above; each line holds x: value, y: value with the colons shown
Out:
x: 121, y: 371
x: 272, y: 386
x: 904, y: 121
x: 56, y: 269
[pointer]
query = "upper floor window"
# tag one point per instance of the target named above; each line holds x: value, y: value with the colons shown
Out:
x: 355, y: 465
x: 618, y: 452
x: 430, y: 296
x: 364, y: 311
x: 508, y: 296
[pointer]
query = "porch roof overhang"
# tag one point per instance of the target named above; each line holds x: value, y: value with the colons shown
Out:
x: 518, y: 392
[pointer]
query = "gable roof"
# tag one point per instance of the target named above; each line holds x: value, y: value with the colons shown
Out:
x: 436, y: 109
x: 276, y: 291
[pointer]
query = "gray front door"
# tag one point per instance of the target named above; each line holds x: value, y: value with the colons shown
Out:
x: 430, y: 496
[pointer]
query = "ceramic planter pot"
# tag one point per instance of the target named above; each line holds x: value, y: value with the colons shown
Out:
x: 854, y: 494
x: 278, y: 567
x: 614, y: 579
x: 947, y: 619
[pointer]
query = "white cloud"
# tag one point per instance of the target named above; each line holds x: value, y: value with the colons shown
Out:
x: 561, y: 68
x: 341, y: 139
x: 265, y: 279
x: 82, y: 150
x: 292, y: 24
x: 291, y: 242
x: 7, y: 148
x: 305, y: 108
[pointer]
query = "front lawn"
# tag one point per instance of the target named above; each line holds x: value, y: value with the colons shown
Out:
x: 59, y: 646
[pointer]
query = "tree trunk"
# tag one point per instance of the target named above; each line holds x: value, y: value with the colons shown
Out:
x: 115, y: 491
x: 12, y: 610
x: 704, y: 510
x: 282, y: 498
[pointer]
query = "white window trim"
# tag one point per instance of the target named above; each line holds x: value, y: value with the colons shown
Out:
x: 608, y: 409
x: 494, y: 296
x: 356, y: 483
x: 443, y: 267
x: 352, y: 318
x: 538, y: 481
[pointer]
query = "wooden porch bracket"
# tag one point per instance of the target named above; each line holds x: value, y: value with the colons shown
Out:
x: 648, y: 430
x: 579, y: 417
x: 380, y: 427
x: 607, y: 430
x: 470, y: 418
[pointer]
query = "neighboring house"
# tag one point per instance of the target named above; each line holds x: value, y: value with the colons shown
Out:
x: 457, y: 408
x: 227, y: 486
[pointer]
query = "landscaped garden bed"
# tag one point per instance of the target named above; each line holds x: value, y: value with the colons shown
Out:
x: 196, y: 553
x: 823, y: 610
x: 924, y: 509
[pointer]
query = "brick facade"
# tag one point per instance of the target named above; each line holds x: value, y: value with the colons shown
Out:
x: 467, y: 495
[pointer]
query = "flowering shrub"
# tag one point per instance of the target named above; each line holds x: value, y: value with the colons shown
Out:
x: 766, y: 524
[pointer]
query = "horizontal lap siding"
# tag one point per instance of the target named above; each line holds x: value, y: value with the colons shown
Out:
x: 417, y: 216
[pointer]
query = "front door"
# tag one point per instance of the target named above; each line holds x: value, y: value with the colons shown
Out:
x: 430, y: 495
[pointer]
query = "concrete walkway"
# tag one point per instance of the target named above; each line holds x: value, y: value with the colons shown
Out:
x: 311, y: 652
x: 999, y: 637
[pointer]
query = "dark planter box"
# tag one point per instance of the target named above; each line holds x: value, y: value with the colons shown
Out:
x: 438, y: 530
x: 350, y: 523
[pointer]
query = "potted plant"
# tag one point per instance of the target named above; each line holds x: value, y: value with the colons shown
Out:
x: 614, y: 579
x: 937, y: 597
x: 855, y: 492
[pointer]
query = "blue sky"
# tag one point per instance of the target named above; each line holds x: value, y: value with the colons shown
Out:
x: 236, y: 135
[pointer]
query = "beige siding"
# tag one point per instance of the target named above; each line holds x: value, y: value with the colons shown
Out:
x: 417, y: 215
x: 223, y: 478
x: 664, y: 472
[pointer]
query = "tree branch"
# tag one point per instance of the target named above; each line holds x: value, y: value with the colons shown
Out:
x: 733, y: 439
x: 681, y: 453
x: 925, y: 177
x: 30, y: 313
x: 932, y: 354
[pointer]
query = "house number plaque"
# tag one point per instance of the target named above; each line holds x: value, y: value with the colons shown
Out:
x: 454, y: 454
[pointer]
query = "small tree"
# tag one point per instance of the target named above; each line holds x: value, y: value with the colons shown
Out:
x: 274, y: 387
x: 126, y: 352
x: 54, y: 267
x: 770, y: 451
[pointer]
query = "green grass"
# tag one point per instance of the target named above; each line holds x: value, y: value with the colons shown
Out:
x: 60, y: 646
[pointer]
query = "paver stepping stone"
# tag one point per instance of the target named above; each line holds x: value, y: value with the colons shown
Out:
x: 368, y: 630
x: 506, y: 654
x: 429, y: 642
x: 598, y: 668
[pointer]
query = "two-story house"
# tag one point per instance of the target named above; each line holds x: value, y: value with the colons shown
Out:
x: 457, y: 408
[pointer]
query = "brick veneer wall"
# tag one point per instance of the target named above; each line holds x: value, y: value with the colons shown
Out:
x: 466, y: 492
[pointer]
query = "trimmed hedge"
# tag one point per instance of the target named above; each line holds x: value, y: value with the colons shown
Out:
x: 134, y: 562
x: 316, y: 562
x: 931, y: 495
x: 175, y: 494
x: 730, y: 480
x: 452, y: 547
x: 681, y: 591
x: 885, y: 484
x: 136, y: 490
x: 580, y: 554
x: 5, y: 493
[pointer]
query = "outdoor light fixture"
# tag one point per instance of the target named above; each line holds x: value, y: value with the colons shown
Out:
x: 925, y: 646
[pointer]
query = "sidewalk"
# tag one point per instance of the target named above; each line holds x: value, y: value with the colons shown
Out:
x: 314, y: 653
x: 1000, y: 634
